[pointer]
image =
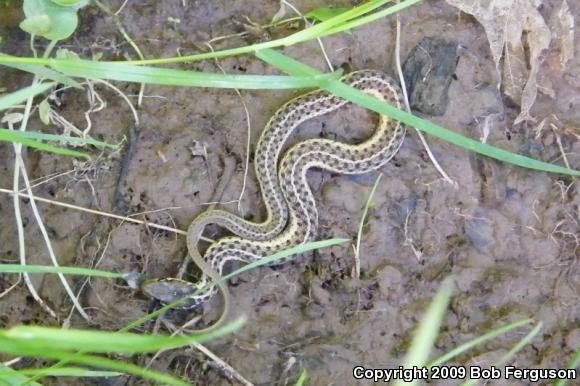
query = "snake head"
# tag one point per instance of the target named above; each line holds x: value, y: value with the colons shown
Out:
x: 169, y: 291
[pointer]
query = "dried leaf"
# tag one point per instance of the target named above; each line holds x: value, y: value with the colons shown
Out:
x: 507, y: 24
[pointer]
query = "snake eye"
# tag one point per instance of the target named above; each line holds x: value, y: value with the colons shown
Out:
x: 169, y: 291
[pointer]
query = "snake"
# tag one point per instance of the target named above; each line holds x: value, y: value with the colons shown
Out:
x: 291, y: 212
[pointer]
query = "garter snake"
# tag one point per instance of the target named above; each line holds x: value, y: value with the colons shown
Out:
x: 292, y: 216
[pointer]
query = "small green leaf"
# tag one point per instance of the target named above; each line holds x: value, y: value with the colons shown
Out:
x: 322, y: 14
x: 63, y: 20
x: 44, y: 112
x: 36, y: 25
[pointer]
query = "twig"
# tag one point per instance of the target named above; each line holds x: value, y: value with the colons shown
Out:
x: 128, y: 218
x: 9, y: 289
x: 229, y: 370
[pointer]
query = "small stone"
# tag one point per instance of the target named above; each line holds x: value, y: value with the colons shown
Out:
x: 428, y: 72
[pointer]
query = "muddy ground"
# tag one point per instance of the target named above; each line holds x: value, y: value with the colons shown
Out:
x: 507, y: 236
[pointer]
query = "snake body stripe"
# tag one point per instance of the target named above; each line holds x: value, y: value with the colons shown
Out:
x: 292, y: 217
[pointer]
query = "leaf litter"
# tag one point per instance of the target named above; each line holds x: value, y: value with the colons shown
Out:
x: 518, y: 33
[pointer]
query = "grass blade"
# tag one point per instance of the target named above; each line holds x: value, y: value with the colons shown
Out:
x: 302, y: 379
x: 477, y: 341
x: 294, y: 67
x: 17, y: 268
x: 573, y: 363
x: 17, y: 137
x: 521, y: 344
x: 370, y: 18
x: 510, y: 354
x: 40, y: 71
x: 100, y: 362
x: 171, y: 77
x: 23, y: 94
x: 320, y: 29
x: 425, y: 336
x: 11, y: 377
x: 32, y: 340
x: 55, y: 137
x: 285, y: 253
x: 64, y: 372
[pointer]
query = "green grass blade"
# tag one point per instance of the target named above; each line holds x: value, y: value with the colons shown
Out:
x: 370, y: 18
x: 320, y: 28
x: 264, y: 261
x: 11, y: 377
x: 17, y: 268
x: 521, y: 344
x: 32, y: 340
x: 124, y: 71
x: 55, y: 137
x: 172, y: 77
x: 285, y: 253
x: 477, y: 341
x: 104, y: 363
x: 573, y: 363
x: 65, y: 372
x: 16, y: 97
x: 294, y: 67
x: 39, y: 70
x: 17, y: 137
x: 425, y: 336
x: 302, y: 380
x: 510, y: 354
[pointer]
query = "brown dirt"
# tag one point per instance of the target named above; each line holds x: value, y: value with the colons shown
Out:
x: 506, y: 236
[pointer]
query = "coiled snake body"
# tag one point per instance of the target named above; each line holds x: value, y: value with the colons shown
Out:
x: 292, y: 217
